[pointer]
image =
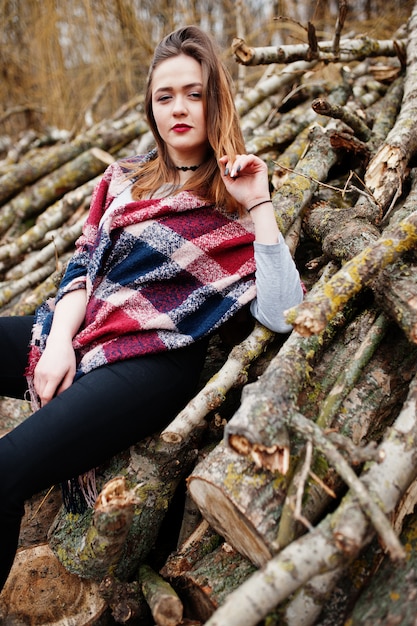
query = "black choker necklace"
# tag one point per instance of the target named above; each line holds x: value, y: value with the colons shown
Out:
x: 187, y: 168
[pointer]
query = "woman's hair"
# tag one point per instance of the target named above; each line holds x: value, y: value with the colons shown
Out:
x: 223, y: 128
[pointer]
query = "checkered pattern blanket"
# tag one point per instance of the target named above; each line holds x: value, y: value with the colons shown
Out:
x: 159, y: 274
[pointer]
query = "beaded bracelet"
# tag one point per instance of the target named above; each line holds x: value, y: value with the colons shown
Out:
x: 258, y: 204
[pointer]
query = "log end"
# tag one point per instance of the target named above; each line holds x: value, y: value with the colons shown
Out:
x: 227, y: 520
x: 41, y: 592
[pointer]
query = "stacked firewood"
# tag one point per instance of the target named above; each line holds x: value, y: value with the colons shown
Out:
x: 284, y: 492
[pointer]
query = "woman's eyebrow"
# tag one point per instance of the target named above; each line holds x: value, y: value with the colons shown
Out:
x: 169, y: 88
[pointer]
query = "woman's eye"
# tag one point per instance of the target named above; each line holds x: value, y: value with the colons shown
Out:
x: 196, y: 95
x: 163, y: 98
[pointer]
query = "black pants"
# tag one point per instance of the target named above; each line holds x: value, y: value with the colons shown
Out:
x: 101, y: 414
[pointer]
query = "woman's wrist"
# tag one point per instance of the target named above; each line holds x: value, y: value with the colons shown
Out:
x: 264, y: 220
x: 255, y: 204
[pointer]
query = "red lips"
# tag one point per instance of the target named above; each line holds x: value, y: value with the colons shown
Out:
x: 181, y: 128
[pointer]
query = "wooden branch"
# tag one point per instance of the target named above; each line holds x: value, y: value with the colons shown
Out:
x: 312, y: 316
x: 60, y: 242
x: 232, y: 373
x: 229, y: 492
x: 286, y: 372
x: 296, y: 193
x: 293, y: 123
x: 343, y: 9
x: 396, y: 293
x: 350, y: 375
x: 165, y: 605
x: 12, y: 288
x: 388, y: 168
x: 361, y: 418
x: 358, y: 490
x: 324, y: 107
x: 33, y: 297
x: 202, y: 541
x: 386, y: 113
x: 389, y: 597
x: 271, y: 86
x: 349, y: 50
x: 202, y: 586
x: 68, y: 177
x: 306, y: 605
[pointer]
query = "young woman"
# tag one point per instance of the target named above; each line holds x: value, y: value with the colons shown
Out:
x: 176, y: 243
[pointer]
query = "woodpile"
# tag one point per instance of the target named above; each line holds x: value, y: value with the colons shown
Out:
x: 284, y: 492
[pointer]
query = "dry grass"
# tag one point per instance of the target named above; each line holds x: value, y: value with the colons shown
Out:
x: 57, y: 58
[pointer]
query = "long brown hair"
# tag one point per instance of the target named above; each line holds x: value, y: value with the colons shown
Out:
x: 223, y: 128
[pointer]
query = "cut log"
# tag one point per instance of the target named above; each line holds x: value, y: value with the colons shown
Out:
x: 53, y: 217
x: 251, y: 507
x: 257, y: 431
x: 297, y: 191
x: 241, y: 503
x: 104, y: 135
x: 396, y: 292
x: 41, y: 592
x: 271, y: 86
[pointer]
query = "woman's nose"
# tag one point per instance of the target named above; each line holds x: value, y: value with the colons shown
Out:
x: 179, y: 106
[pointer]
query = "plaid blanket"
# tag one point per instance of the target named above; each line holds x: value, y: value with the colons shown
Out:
x: 159, y: 274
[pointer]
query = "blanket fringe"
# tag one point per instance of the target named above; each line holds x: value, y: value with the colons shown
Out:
x: 80, y: 493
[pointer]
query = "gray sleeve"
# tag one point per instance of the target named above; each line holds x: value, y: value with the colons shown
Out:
x: 278, y: 285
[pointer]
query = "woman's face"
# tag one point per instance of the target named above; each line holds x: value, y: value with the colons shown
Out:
x: 177, y: 105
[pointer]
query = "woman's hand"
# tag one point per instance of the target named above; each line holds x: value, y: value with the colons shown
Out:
x: 55, y: 370
x: 56, y: 367
x: 246, y: 178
